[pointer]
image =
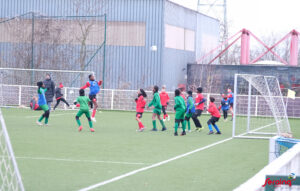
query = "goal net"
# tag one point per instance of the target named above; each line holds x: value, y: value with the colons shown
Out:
x: 10, y: 178
x: 259, y: 109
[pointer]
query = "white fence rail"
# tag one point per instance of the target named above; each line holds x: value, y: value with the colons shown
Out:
x: 115, y: 99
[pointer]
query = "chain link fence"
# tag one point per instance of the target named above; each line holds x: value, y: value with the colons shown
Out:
x: 115, y: 99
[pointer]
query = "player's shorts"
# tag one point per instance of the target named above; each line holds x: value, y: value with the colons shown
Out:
x: 179, y: 115
x: 178, y: 121
x: 213, y: 120
x: 139, y: 114
x: 157, y: 111
x: 44, y: 107
x: 92, y: 97
x: 86, y: 112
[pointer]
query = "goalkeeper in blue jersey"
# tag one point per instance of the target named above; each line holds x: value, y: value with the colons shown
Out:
x: 190, y: 109
x: 94, y: 90
x: 43, y: 103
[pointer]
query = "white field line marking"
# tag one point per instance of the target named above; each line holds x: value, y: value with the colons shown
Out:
x: 51, y: 115
x: 152, y: 166
x: 75, y: 160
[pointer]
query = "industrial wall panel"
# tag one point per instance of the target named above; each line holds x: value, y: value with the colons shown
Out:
x: 207, y: 36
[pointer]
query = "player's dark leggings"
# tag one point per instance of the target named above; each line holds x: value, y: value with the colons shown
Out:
x: 195, y: 118
x: 225, y: 114
x: 46, y: 114
x: 58, y: 101
x: 212, y: 120
x: 164, y: 110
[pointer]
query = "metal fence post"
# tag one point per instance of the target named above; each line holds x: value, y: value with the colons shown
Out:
x: 256, y: 105
x: 65, y: 106
x: 20, y: 95
x: 207, y: 102
x: 112, y: 100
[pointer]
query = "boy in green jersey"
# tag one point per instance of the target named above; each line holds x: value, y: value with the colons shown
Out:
x: 83, y: 101
x: 157, y: 109
x: 180, y: 109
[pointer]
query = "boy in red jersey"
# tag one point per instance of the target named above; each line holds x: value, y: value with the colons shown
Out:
x: 140, y: 106
x: 199, y: 103
x: 215, y: 116
x: 182, y: 93
x: 164, y: 100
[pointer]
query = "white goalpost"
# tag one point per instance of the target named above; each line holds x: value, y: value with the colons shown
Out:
x: 259, y: 110
x: 10, y: 178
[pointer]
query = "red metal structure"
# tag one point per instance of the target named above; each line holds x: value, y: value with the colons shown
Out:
x: 245, y: 35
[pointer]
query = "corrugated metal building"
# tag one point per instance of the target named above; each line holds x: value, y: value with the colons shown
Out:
x: 148, y: 41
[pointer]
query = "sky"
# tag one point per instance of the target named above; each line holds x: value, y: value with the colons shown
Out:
x: 261, y: 17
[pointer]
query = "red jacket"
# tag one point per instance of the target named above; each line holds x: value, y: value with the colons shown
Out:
x: 212, y: 109
x: 164, y: 98
x: 140, y: 104
x: 199, y: 99
x: 183, y: 96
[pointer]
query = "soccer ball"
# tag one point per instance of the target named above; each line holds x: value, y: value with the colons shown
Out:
x: 292, y: 176
x: 71, y: 91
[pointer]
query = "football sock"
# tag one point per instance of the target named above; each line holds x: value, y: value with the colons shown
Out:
x: 154, y: 124
x: 189, y: 125
x: 46, y: 120
x: 141, y: 125
x: 162, y: 123
x: 90, y: 124
x: 41, y: 118
x: 176, y: 127
x: 216, y: 127
x: 94, y: 113
x: 210, y: 128
x: 78, y: 122
x: 183, y: 125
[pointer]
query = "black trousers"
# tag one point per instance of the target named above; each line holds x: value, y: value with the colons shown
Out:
x: 58, y: 101
x: 164, y: 108
x: 195, y: 118
x: 225, y: 114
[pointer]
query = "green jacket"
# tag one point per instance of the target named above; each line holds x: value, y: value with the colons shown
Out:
x: 155, y: 101
x: 179, y: 104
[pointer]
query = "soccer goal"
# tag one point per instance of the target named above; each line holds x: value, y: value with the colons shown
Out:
x: 259, y: 109
x: 10, y: 178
